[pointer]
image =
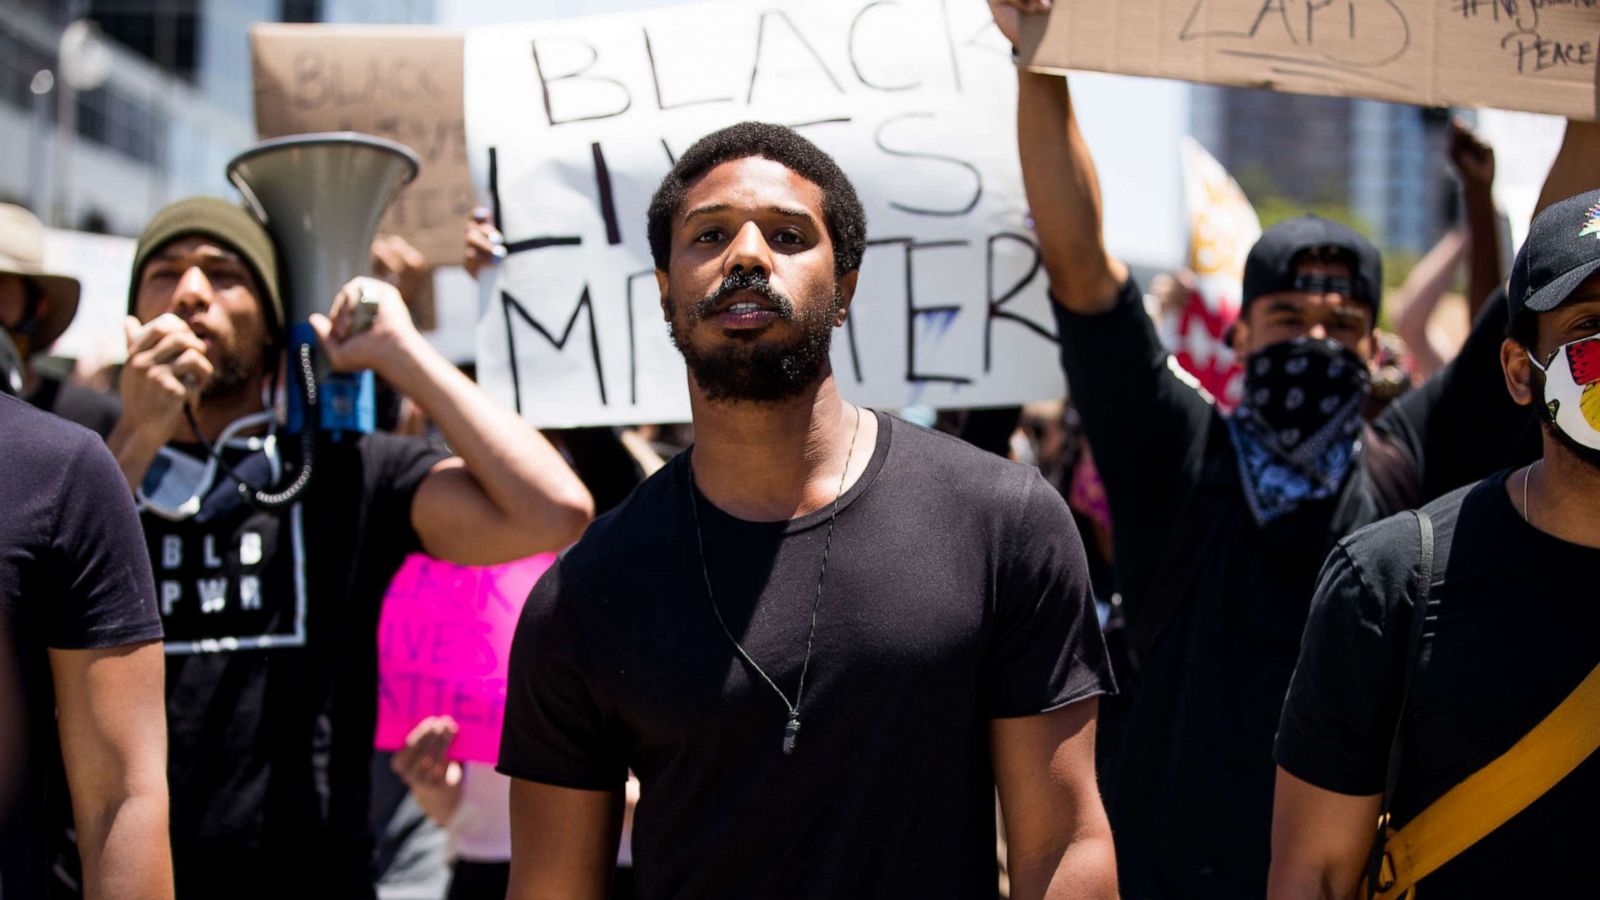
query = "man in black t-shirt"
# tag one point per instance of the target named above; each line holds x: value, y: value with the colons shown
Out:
x: 36, y: 306
x: 1222, y: 522
x: 1509, y: 629
x: 80, y: 665
x: 821, y: 637
x: 271, y: 614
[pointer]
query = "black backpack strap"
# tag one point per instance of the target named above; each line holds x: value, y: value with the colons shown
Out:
x: 1378, y: 877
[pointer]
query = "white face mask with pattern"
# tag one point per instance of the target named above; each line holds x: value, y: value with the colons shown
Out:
x: 1572, y: 390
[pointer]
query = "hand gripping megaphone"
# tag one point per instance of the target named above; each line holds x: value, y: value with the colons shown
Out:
x: 320, y: 197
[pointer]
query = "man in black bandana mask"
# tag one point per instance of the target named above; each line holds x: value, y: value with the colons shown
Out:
x: 1310, y: 303
x: 1222, y: 522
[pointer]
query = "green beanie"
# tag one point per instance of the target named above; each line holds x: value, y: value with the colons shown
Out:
x: 226, y: 223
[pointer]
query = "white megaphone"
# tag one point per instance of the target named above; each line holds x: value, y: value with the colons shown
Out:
x: 320, y: 196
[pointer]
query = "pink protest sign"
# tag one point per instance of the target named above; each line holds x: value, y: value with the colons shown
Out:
x: 443, y: 641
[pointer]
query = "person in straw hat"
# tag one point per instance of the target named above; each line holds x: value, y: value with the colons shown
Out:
x: 36, y: 306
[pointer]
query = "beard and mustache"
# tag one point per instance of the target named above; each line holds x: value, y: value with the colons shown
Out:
x: 749, y: 369
x: 230, y: 373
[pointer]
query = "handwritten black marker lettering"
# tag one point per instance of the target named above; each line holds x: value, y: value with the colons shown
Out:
x: 325, y: 79
x: 1282, y: 8
x: 524, y: 245
x: 511, y: 356
x: 997, y: 302
x: 837, y: 120
x: 1187, y: 33
x: 585, y: 305
x: 633, y: 340
x: 608, y: 202
x: 1354, y: 33
x: 545, y: 82
x: 1536, y: 53
x: 655, y: 80
x: 914, y: 313
x: 950, y: 43
x: 310, y: 87
x: 855, y: 58
x: 1377, y: 33
x: 878, y: 138
x: 761, y: 35
x: 1312, y: 8
x: 497, y: 215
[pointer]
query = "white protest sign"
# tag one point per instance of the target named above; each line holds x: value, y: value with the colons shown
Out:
x: 103, y: 264
x: 572, y: 123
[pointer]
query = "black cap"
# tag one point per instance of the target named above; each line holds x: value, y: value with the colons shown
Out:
x: 1562, y: 249
x: 1270, y: 267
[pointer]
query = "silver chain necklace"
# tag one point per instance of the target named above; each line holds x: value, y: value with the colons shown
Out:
x: 791, y: 730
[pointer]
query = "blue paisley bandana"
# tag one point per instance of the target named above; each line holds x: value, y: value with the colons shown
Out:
x: 1297, y: 432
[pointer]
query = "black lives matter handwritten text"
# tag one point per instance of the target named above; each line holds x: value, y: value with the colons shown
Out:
x: 578, y: 86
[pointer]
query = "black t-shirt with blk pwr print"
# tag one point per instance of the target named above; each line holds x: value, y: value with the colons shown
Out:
x: 957, y: 592
x: 271, y: 621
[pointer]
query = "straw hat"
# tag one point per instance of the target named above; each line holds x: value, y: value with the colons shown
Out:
x: 22, y: 253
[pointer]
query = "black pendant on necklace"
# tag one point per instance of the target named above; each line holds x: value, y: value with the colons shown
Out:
x: 790, y: 732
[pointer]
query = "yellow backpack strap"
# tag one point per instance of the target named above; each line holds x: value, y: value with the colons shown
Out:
x: 1489, y: 797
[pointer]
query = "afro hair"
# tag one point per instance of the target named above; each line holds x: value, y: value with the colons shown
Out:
x: 841, y: 209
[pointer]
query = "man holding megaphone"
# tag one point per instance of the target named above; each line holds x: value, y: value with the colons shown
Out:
x: 271, y: 610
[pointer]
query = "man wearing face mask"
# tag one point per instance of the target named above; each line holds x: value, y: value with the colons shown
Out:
x: 271, y: 614
x: 1493, y: 679
x: 1222, y: 522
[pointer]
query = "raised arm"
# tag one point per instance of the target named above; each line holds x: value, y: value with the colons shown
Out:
x: 1062, y: 185
x: 1577, y: 165
x: 1058, y: 842
x: 563, y: 842
x: 1461, y: 424
x: 507, y: 494
x: 1420, y: 296
x: 1474, y: 163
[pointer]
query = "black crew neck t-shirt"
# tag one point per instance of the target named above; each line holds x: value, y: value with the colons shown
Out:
x: 74, y: 576
x: 956, y: 592
x: 1510, y: 632
x: 271, y: 624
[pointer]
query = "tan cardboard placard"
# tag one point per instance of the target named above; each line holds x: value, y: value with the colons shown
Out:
x: 399, y: 82
x: 1508, y: 54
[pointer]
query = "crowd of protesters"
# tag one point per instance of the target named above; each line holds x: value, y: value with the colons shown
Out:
x: 1328, y: 642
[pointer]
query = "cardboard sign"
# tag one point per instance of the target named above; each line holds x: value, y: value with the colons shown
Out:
x: 397, y: 82
x: 1509, y: 54
x: 571, y: 125
x: 443, y: 641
